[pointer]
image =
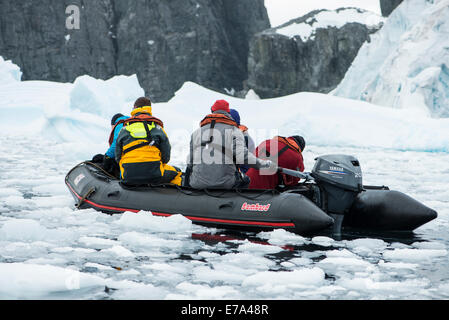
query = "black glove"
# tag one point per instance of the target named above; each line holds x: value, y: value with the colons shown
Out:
x: 99, y: 158
x: 186, y: 180
x: 108, y: 164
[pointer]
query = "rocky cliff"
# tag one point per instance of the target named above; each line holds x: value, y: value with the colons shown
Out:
x: 387, y: 6
x: 164, y: 42
x: 311, y: 53
x: 33, y: 34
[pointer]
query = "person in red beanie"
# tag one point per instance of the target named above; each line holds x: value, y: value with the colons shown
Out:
x: 217, y: 149
x: 222, y: 105
x: 289, y: 153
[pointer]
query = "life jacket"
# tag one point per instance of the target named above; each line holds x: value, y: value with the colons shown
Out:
x: 141, y: 159
x: 142, y: 114
x: 213, y: 119
x: 290, y: 143
x: 217, y: 118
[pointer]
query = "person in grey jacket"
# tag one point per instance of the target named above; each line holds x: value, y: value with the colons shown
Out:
x: 216, y: 150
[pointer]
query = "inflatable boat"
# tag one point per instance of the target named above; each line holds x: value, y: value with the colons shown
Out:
x: 331, y: 197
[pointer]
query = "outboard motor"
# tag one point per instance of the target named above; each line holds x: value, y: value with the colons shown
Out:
x: 340, y: 179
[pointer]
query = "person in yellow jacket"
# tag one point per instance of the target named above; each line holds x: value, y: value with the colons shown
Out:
x: 143, y: 149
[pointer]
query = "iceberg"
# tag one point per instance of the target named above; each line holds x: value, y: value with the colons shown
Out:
x: 64, y: 112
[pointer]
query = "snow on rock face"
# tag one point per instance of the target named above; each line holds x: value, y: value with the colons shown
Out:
x: 330, y: 18
x: 9, y: 72
x: 406, y: 63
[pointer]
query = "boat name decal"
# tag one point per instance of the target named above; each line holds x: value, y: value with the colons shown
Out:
x: 78, y: 179
x: 255, y: 207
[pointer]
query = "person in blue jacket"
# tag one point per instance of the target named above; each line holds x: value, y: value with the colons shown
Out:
x: 115, y: 119
x: 109, y: 161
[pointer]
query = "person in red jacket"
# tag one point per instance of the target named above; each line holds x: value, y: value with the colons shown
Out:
x: 289, y: 153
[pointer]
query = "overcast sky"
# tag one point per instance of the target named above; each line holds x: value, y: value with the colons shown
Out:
x: 281, y: 11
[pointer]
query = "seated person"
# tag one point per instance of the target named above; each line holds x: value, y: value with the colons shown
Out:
x: 143, y: 149
x: 289, y: 156
x: 107, y: 160
x: 217, y: 148
x: 109, y: 163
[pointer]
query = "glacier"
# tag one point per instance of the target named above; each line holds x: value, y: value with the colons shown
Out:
x: 405, y: 65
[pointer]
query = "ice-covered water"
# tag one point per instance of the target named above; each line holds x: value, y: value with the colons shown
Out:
x: 49, y: 250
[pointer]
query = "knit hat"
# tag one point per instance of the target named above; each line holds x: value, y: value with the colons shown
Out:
x: 300, y: 141
x: 235, y: 115
x: 115, y: 118
x: 221, y: 105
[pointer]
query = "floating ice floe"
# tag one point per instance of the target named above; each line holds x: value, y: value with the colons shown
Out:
x: 25, y: 281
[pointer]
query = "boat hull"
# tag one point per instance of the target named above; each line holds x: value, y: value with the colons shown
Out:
x: 375, y: 209
x: 246, y: 210
x: 387, y: 210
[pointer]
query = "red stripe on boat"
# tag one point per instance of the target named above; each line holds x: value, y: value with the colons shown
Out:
x: 277, y: 224
x: 256, y: 223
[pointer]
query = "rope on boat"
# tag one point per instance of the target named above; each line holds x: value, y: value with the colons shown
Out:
x: 100, y: 168
x: 87, y: 195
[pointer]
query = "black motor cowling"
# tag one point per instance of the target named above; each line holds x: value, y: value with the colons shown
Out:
x: 340, y: 177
